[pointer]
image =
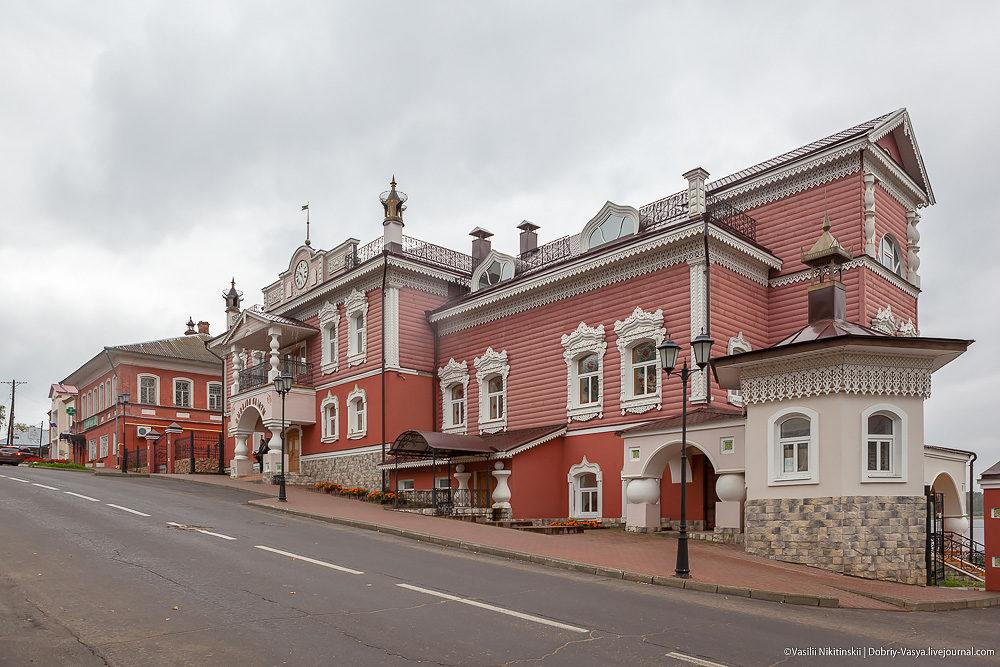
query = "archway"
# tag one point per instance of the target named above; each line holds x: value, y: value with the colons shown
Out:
x: 955, y: 519
x: 659, y: 485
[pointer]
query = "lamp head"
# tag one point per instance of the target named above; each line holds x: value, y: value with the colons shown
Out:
x: 702, y: 346
x: 668, y: 354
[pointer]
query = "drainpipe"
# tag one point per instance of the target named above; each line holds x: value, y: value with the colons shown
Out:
x: 972, y: 494
x: 434, y: 380
x: 708, y: 307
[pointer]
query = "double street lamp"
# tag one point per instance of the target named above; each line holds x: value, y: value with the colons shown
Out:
x: 669, y: 350
x: 283, y: 385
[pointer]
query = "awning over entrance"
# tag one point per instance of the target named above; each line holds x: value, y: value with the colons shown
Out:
x: 432, y: 445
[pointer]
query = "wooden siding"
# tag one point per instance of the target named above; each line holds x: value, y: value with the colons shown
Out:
x: 879, y: 292
x: 890, y: 217
x: 416, y: 338
x: 790, y: 225
x: 738, y: 304
x: 537, y: 384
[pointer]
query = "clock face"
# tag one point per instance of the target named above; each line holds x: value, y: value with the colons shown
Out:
x: 301, y: 274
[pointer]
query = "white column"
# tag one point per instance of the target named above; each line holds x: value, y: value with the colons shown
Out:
x: 642, y: 513
x: 732, y: 491
x: 241, y: 464
x: 241, y: 448
x: 274, y: 333
x: 392, y: 327
x: 501, y: 494
x: 235, y: 360
x: 699, y: 323
x: 870, y: 249
x: 696, y: 192
x: 912, y: 239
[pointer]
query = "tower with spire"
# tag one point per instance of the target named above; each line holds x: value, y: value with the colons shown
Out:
x: 393, y: 203
x: 233, y: 298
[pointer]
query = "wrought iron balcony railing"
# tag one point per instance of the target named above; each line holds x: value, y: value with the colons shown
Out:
x: 256, y: 376
x: 726, y: 215
x: 422, y: 250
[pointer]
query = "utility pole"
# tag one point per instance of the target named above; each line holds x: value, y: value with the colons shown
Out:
x: 10, y: 419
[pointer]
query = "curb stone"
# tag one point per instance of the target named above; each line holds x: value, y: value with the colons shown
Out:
x: 611, y: 573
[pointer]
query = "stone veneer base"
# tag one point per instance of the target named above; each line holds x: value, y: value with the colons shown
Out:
x: 348, y: 471
x: 875, y: 537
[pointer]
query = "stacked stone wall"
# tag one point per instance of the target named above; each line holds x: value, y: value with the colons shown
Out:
x: 876, y: 537
x: 183, y: 466
x: 349, y: 471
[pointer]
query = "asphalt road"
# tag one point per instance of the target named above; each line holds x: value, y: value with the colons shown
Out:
x: 99, y: 570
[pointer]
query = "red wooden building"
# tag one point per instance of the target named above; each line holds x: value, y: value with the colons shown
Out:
x: 528, y: 381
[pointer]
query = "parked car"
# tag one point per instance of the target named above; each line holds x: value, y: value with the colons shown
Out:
x: 14, y: 455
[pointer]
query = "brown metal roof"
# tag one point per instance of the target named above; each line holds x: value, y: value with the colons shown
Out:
x: 432, y: 444
x: 830, y: 328
x: 183, y: 347
x: 991, y: 472
x: 705, y: 415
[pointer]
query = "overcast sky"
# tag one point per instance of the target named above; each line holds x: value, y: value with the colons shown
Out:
x: 150, y: 151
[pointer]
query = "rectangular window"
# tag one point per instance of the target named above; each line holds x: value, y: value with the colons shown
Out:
x: 442, y: 483
x: 406, y: 485
x: 182, y: 394
x: 795, y: 457
x: 147, y: 390
x: 495, y: 393
x: 215, y: 396
x: 104, y: 446
x: 880, y: 455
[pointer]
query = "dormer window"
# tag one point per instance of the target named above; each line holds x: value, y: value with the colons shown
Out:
x: 496, y: 272
x: 611, y: 223
x: 890, y: 255
x: 612, y: 229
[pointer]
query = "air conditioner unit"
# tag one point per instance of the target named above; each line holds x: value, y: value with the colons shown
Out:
x: 141, y: 431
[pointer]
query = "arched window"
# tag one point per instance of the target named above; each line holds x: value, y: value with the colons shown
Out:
x: 329, y: 322
x: 101, y: 399
x: 794, y: 447
x: 737, y: 345
x: 891, y: 255
x: 883, y: 452
x: 149, y: 389
x: 456, y: 395
x: 357, y: 414
x: 491, y: 376
x: 328, y: 408
x: 356, y: 308
x: 583, y: 351
x: 495, y: 272
x: 588, y: 379
x: 495, y: 397
x: 645, y: 371
x: 585, y: 481
x: 182, y: 393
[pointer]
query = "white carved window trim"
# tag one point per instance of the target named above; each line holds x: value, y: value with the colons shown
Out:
x: 606, y: 212
x: 506, y: 269
x: 639, y: 327
x: 583, y: 342
x: 190, y: 393
x: 775, y: 476
x: 357, y: 405
x: 737, y: 345
x: 576, y: 472
x: 220, y: 396
x: 104, y: 445
x: 329, y: 434
x: 355, y: 304
x: 897, y: 456
x: 488, y: 366
x: 329, y: 324
x: 156, y: 388
x: 451, y: 374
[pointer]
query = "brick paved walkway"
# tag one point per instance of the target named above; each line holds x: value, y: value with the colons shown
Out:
x: 718, y: 568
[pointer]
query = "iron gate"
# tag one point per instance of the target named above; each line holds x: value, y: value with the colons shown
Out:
x: 935, y: 538
x: 199, y: 453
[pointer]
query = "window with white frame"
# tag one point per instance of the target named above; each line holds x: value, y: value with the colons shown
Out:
x: 182, y: 393
x: 357, y: 414
x: 454, y: 381
x: 793, y: 443
x: 92, y: 450
x: 442, y: 482
x: 737, y: 345
x: 356, y: 309
x: 101, y: 399
x: 328, y: 410
x: 111, y: 396
x: 495, y: 268
x: 585, y: 479
x: 406, y: 485
x: 104, y: 446
x: 215, y: 396
x: 492, y: 370
x: 890, y: 254
x: 611, y: 223
x: 883, y: 450
x: 149, y: 389
x: 329, y: 323
x: 638, y: 336
x: 583, y: 351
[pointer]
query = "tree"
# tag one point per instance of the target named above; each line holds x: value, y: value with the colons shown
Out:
x: 3, y: 415
x: 20, y: 427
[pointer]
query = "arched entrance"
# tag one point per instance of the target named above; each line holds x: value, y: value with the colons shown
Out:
x: 664, y: 465
x: 953, y: 507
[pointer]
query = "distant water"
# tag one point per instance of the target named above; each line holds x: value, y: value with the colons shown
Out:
x: 977, y: 528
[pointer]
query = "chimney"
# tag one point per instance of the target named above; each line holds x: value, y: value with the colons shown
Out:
x: 696, y: 191
x: 203, y: 327
x: 529, y: 239
x: 827, y: 294
x: 190, y: 327
x: 481, y: 245
x: 392, y: 227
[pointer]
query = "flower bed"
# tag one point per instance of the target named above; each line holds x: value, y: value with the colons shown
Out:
x: 582, y: 523
x: 358, y: 492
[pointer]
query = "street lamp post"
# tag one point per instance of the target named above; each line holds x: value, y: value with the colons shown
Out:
x: 283, y: 385
x: 669, y: 350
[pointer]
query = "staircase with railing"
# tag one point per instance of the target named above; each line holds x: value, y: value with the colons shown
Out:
x: 966, y: 556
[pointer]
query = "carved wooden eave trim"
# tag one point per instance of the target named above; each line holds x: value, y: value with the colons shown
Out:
x: 902, y: 118
x: 862, y: 261
x: 896, y: 182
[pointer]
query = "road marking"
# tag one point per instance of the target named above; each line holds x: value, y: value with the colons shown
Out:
x: 50, y: 488
x: 80, y: 495
x: 499, y: 610
x: 18, y: 479
x: 693, y: 660
x: 310, y: 560
x: 199, y: 530
x: 125, y: 509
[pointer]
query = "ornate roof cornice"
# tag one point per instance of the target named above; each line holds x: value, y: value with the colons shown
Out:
x: 863, y: 261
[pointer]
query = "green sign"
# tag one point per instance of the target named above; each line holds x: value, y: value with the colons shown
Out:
x: 71, y: 411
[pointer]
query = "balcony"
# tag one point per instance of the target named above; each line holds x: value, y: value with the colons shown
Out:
x: 256, y: 376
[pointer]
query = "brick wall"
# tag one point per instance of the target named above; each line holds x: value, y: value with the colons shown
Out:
x: 875, y: 537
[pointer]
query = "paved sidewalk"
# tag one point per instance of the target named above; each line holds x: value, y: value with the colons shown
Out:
x: 716, y: 568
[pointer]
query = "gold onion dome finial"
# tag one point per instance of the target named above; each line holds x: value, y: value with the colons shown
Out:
x: 826, y: 255
x: 393, y: 201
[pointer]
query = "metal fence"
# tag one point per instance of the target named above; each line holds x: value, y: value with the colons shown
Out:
x: 199, y: 453
x: 256, y: 375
